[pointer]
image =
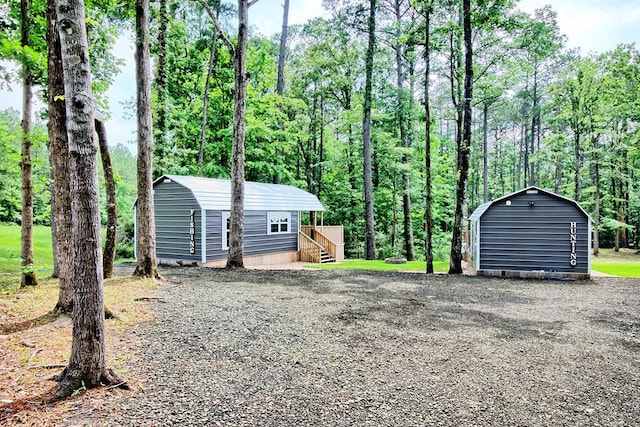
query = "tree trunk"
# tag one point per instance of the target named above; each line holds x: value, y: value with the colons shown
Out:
x: 235, y: 258
x: 534, y: 121
x: 283, y: 48
x: 59, y: 158
x: 280, y: 86
x: 576, y: 173
x: 160, y: 85
x: 596, y: 201
x: 455, y: 264
x: 370, y: 245
x: 485, y: 153
x: 205, y: 101
x: 405, y: 140
x: 428, y: 215
x: 109, y: 255
x: 87, y: 365
x: 28, y: 276
x: 145, y: 217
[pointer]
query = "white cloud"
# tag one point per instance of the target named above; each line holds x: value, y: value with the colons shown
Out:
x: 266, y: 15
x: 593, y: 25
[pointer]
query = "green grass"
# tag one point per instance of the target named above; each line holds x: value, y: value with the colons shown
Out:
x: 618, y: 269
x: 624, y: 263
x: 380, y: 265
x: 10, y: 253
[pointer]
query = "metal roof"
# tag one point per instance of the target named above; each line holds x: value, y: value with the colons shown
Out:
x: 215, y: 194
x: 480, y: 210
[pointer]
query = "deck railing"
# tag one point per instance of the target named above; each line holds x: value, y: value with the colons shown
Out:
x: 328, y: 237
x: 310, y: 251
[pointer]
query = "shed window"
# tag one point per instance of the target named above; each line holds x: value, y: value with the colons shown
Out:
x: 278, y: 222
x: 226, y: 229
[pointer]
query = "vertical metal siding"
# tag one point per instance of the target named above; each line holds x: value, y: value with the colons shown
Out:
x: 256, y: 240
x: 521, y: 237
x: 173, y: 205
x: 214, y: 237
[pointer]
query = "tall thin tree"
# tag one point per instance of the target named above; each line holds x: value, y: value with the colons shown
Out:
x: 59, y: 158
x: 462, y: 170
x: 146, y: 230
x: 428, y: 214
x: 370, y: 238
x: 213, y: 55
x: 28, y: 272
x: 235, y: 258
x: 109, y: 253
x: 239, y: 54
x: 403, y: 113
x: 283, y: 48
x: 87, y: 365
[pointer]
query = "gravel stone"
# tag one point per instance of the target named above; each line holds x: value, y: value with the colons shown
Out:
x: 347, y: 348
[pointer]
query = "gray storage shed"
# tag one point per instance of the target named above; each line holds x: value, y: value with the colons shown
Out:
x: 531, y: 233
x: 191, y: 217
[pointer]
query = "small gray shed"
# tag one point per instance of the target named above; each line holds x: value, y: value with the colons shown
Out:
x: 192, y: 220
x: 531, y: 233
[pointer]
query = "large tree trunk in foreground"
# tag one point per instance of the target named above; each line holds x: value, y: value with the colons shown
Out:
x: 235, y: 258
x: 145, y: 217
x: 87, y: 366
x: 28, y: 276
x: 462, y: 173
x: 59, y: 158
x: 109, y: 255
x: 370, y: 238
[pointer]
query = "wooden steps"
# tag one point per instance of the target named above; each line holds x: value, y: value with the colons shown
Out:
x: 326, y: 257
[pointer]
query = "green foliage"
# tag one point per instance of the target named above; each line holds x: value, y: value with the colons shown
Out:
x: 542, y: 103
x: 11, y: 182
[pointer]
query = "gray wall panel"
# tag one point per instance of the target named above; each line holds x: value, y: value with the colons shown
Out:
x: 173, y: 204
x: 523, y: 238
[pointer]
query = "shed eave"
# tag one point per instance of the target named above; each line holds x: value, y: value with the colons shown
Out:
x: 480, y: 210
x: 215, y: 194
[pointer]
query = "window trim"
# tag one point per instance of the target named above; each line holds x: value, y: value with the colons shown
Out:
x: 282, y: 217
x: 226, y: 230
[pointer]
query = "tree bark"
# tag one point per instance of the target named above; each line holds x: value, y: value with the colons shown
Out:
x: 283, y: 48
x: 59, y: 158
x: 205, y: 100
x: 28, y: 276
x: 370, y: 242
x: 455, y: 263
x: 235, y: 257
x: 485, y: 153
x: 405, y: 140
x: 162, y: 151
x: 87, y: 365
x: 109, y: 255
x: 596, y: 201
x: 428, y: 215
x: 145, y: 216
x: 534, y: 122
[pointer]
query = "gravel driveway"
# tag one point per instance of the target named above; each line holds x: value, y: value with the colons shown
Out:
x: 344, y: 348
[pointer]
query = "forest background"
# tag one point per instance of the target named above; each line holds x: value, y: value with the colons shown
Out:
x: 545, y: 114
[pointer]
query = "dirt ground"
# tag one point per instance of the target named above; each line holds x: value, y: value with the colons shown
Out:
x: 263, y: 347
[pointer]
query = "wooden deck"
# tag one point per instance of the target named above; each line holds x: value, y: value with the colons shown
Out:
x: 321, y: 244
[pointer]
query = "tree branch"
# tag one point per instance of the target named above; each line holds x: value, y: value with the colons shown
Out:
x: 223, y: 36
x: 252, y: 2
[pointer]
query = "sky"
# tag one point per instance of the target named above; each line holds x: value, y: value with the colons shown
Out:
x: 591, y: 25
